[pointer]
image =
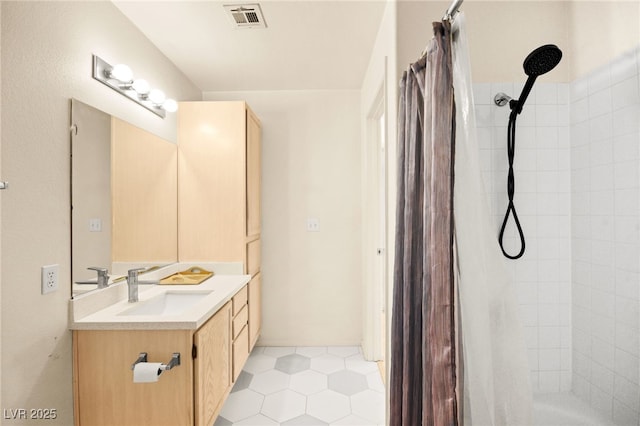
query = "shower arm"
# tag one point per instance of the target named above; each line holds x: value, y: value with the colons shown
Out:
x: 452, y: 11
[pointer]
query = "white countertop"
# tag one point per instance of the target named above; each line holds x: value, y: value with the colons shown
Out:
x: 222, y: 287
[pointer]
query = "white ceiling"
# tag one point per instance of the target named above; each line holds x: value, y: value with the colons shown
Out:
x: 316, y: 44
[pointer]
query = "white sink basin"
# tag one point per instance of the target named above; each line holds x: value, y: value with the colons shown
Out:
x: 167, y: 303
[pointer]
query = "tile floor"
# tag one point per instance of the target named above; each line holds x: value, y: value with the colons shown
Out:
x: 306, y: 386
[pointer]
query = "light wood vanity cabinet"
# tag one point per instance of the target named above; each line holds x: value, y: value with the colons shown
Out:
x: 192, y: 393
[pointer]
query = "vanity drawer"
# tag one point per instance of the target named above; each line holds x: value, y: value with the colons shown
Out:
x: 240, y: 352
x: 240, y: 321
x: 239, y: 301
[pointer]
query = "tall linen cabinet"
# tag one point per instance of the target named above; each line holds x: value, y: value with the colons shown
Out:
x: 219, y: 180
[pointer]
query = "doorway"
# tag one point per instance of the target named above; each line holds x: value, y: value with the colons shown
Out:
x: 375, y: 229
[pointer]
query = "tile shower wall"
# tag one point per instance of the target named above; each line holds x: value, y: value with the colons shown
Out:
x: 605, y: 182
x: 542, y: 162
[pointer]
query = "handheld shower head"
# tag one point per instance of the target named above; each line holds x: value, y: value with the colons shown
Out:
x: 540, y: 61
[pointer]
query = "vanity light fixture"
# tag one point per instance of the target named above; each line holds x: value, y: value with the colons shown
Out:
x: 119, y: 77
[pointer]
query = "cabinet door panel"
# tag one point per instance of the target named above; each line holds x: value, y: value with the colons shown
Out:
x: 253, y: 174
x: 255, y: 310
x: 211, y: 181
x: 240, y: 352
x: 212, y: 369
x: 253, y: 257
x: 106, y: 394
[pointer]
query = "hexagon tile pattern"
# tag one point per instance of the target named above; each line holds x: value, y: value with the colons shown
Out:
x: 297, y: 386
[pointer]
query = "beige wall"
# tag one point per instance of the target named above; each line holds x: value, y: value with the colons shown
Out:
x: 601, y: 31
x: 46, y: 60
x: 310, y: 168
x: 502, y: 33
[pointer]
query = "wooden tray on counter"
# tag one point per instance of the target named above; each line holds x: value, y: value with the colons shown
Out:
x: 192, y: 276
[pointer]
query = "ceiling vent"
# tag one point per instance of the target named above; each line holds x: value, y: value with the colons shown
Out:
x: 245, y: 15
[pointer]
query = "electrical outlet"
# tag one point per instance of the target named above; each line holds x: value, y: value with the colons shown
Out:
x: 49, y: 278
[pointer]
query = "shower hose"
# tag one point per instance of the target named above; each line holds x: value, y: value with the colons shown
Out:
x: 511, y: 183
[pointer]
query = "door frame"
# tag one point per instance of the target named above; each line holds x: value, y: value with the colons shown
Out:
x: 374, y: 235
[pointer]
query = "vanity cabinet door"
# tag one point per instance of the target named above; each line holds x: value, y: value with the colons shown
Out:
x: 219, y: 178
x: 253, y: 174
x: 105, y: 393
x: 255, y: 310
x: 212, y: 369
x: 212, y: 181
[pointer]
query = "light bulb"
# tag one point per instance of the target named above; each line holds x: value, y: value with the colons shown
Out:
x: 156, y: 96
x: 141, y: 86
x: 121, y: 72
x: 170, y: 105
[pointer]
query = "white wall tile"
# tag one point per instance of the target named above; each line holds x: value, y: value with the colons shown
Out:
x: 627, y: 312
x: 581, y: 364
x: 546, y: 94
x: 549, y: 338
x: 547, y: 115
x: 627, y: 365
x: 625, y: 94
x: 563, y: 93
x: 624, y: 415
x: 602, y: 352
x: 602, y: 401
x: 601, y: 127
x: 549, y: 359
x: 627, y: 393
x: 625, y: 67
x: 600, y: 103
x: 482, y: 94
x: 565, y: 381
x: 599, y: 80
x: 579, y: 112
x: 549, y: 381
x: 578, y: 89
x: 602, y: 377
x: 626, y: 339
x: 581, y: 387
x: 626, y: 121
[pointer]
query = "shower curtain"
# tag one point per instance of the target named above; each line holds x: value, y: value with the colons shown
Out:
x: 457, y: 350
x: 423, y: 364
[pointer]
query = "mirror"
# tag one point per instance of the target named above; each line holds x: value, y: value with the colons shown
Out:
x: 123, y: 197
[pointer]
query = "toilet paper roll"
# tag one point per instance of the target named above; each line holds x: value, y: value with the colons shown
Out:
x: 146, y: 372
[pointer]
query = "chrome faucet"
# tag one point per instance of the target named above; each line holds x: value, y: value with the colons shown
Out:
x: 133, y: 282
x: 103, y: 277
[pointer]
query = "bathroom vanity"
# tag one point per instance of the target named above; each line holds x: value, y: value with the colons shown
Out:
x: 208, y: 325
x: 211, y: 327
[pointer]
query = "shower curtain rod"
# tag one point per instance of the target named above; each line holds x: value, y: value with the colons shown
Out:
x: 452, y: 11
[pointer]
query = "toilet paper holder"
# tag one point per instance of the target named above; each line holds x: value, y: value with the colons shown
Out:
x: 175, y: 361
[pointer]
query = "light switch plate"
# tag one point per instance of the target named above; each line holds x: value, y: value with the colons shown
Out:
x: 313, y: 224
